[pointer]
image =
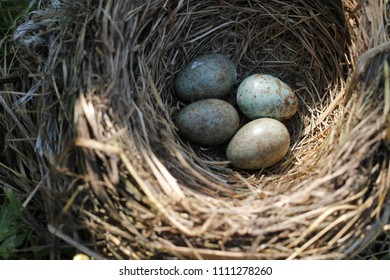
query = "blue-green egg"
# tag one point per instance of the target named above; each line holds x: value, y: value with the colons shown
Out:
x: 262, y: 95
x: 207, y: 76
x: 259, y: 144
x: 208, y: 122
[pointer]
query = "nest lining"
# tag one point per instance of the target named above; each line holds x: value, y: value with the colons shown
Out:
x: 113, y: 155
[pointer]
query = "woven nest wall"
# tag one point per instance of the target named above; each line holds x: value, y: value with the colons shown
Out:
x: 116, y: 180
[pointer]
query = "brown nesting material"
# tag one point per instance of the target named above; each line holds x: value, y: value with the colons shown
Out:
x: 116, y: 179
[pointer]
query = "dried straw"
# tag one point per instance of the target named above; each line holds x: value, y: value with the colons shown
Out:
x: 99, y: 107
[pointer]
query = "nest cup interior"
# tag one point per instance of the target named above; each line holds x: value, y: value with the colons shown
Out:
x: 304, y: 43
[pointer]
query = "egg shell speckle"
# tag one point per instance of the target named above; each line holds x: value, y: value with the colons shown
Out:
x: 207, y: 76
x: 259, y: 144
x: 208, y: 122
x: 262, y: 95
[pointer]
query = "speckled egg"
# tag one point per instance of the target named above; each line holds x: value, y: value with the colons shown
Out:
x: 207, y: 76
x: 259, y: 144
x: 208, y: 122
x: 262, y: 95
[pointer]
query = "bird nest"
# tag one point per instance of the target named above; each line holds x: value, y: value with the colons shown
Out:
x: 115, y: 179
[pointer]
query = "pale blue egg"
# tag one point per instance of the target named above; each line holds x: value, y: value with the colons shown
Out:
x: 259, y: 144
x: 207, y: 76
x: 262, y: 95
x: 208, y: 122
